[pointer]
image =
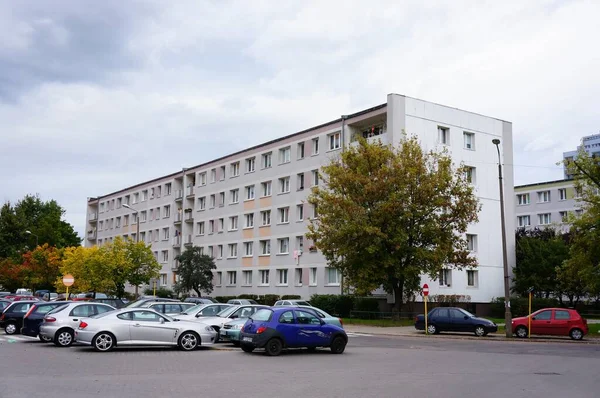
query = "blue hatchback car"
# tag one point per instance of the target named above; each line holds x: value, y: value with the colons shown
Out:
x: 290, y: 327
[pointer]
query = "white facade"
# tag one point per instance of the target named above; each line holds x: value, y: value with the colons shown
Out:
x: 205, y: 200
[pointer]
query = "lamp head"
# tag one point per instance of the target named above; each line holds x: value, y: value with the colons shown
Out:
x: 28, y: 232
x: 496, y: 141
x: 126, y: 206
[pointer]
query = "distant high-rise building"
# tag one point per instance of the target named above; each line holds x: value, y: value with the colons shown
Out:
x: 589, y: 143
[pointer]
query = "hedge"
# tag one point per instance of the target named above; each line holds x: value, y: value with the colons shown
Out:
x: 520, y: 305
x: 161, y: 292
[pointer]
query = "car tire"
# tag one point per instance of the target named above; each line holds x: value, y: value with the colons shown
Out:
x: 236, y: 343
x: 189, y: 341
x: 521, y: 332
x: 44, y: 339
x: 216, y: 330
x: 338, y: 345
x: 247, y: 348
x: 273, y: 347
x: 432, y: 329
x: 576, y: 334
x: 10, y: 328
x: 104, y: 342
x: 63, y: 338
x: 480, y: 331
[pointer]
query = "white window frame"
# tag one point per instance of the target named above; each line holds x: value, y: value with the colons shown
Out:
x: 472, y: 242
x: 472, y: 278
x: 335, y: 141
x: 219, y: 278
x: 251, y: 165
x: 301, y: 151
x: 544, y: 218
x: 298, y: 277
x: 202, y: 203
x: 282, y: 277
x: 312, y: 276
x: 469, y: 141
x: 166, y: 233
x: 562, y: 194
x: 233, y: 223
x: 249, y: 220
x: 523, y: 199
x: 231, y: 278
x: 265, y: 218
x: 200, y: 228
x: 246, y: 278
x: 265, y: 247
x: 544, y: 196
x: 443, y: 135
x: 283, y: 245
x: 264, y: 277
x: 235, y: 196
x: 470, y: 174
x: 445, y: 277
x: 284, y: 215
x: 235, y: 169
x: 285, y: 155
x: 249, y: 191
x: 266, y: 188
x: 284, y: 185
x: 248, y: 249
x: 267, y: 160
x: 338, y: 277
x: 521, y: 221
x: 232, y: 250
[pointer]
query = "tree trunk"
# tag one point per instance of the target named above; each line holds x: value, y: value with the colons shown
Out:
x: 197, y: 291
x: 136, y: 291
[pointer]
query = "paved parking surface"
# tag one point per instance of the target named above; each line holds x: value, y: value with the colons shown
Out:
x: 372, y: 366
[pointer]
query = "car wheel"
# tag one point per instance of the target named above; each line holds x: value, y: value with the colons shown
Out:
x: 576, y: 334
x: 103, y: 342
x: 521, y: 332
x: 338, y: 345
x: 10, y: 328
x: 217, y: 336
x: 44, y: 339
x: 236, y: 343
x: 273, y: 347
x: 480, y: 331
x: 63, y: 338
x: 432, y: 329
x: 247, y: 348
x: 189, y: 341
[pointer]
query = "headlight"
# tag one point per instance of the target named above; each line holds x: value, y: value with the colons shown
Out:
x: 238, y: 327
x: 209, y: 329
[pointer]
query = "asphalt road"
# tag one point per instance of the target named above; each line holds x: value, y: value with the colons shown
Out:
x: 372, y: 366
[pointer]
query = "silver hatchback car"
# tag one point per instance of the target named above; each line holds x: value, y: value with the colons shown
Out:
x: 59, y: 324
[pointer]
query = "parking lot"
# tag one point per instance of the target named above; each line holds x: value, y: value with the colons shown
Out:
x: 372, y: 366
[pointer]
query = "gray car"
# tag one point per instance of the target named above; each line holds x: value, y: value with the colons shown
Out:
x: 169, y: 308
x: 142, y: 326
x: 59, y: 324
x: 202, y: 310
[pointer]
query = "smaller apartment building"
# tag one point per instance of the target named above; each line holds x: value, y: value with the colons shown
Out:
x: 545, y: 204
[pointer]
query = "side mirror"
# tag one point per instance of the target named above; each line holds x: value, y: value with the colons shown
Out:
x: 162, y: 320
x: 533, y: 318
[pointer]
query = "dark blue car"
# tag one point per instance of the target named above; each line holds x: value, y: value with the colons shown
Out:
x: 34, y: 317
x: 452, y: 319
x: 289, y: 327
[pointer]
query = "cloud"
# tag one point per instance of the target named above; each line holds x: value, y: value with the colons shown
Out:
x: 95, y: 99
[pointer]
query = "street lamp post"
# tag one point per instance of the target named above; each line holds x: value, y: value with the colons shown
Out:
x: 137, y: 229
x: 36, y: 237
x: 507, y: 313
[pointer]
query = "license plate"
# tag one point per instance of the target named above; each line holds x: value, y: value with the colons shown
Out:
x: 247, y: 339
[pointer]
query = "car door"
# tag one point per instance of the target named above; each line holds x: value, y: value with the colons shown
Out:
x: 541, y: 322
x: 310, y: 333
x: 289, y: 329
x: 17, y: 312
x: 458, y: 323
x: 441, y: 319
x: 561, y: 323
x: 78, y: 313
x: 148, y: 327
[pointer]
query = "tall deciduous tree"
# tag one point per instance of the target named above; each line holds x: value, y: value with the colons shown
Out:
x: 44, y: 265
x: 387, y: 215
x: 195, y: 271
x: 91, y: 267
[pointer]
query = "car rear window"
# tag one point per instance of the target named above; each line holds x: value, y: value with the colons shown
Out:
x: 263, y: 315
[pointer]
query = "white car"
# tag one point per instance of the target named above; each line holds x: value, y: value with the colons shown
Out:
x: 229, y: 314
x: 142, y: 326
x: 201, y: 311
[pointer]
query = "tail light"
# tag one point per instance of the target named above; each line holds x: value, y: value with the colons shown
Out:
x: 29, y: 312
x: 49, y: 319
x: 242, y: 329
x: 82, y: 325
x: 2, y: 317
x: 341, y: 321
x: 261, y: 329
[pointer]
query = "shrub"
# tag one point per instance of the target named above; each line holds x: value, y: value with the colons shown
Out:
x: 248, y: 296
x: 268, y: 299
x: 369, y: 304
x: 337, y: 305
x: 224, y: 299
x: 520, y: 305
x: 162, y: 292
x: 290, y: 297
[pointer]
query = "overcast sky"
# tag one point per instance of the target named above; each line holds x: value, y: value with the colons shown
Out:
x: 99, y: 95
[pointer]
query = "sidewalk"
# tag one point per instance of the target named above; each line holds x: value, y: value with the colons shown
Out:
x: 410, y: 331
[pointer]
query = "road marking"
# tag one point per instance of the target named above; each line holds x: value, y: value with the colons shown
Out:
x: 352, y: 334
x: 14, y: 339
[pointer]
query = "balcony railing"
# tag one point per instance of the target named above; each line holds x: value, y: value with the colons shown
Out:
x: 177, y: 241
x: 93, y: 217
x: 174, y: 265
x: 189, y: 191
x: 91, y: 234
x: 189, y: 217
x: 177, y: 218
x: 179, y: 194
x: 188, y: 240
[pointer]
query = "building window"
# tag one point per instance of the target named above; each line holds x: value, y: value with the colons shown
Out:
x: 264, y: 277
x: 469, y: 140
x: 211, y: 253
x: 312, y: 277
x: 300, y: 150
x: 472, y: 278
x: 248, y: 249
x: 250, y: 192
x: 118, y: 222
x: 266, y: 160
x: 444, y: 135
x: 284, y: 185
x: 282, y: 276
x: 221, y: 199
x: 166, y: 233
x: 157, y: 213
x: 284, y: 215
x: 315, y: 211
x: 266, y: 188
x: 562, y: 194
x: 523, y: 199
x: 219, y: 251
x: 265, y: 247
x: 163, y: 279
x: 144, y: 195
x: 524, y: 221
x: 564, y: 216
x: 119, y: 201
x: 335, y: 141
x: 233, y: 223
x: 300, y: 181
x: 231, y: 278
x: 158, y: 191
x: 300, y: 243
x: 222, y: 176
x: 544, y: 197
x: 202, y: 178
x: 470, y: 174
x: 142, y: 236
x: 168, y: 188
x: 165, y: 256
x: 471, y: 243
x: 544, y: 219
x: 285, y: 155
x: 219, y: 278
x: 200, y: 228
x: 213, y: 201
x: 315, y: 146
x: 235, y: 196
x: 211, y: 226
x: 315, y: 177
x: 235, y: 169
x: 167, y: 211
x: 250, y: 165
x: 202, y: 203
x: 247, y: 278
x: 265, y: 216
x: 284, y: 245
x: 213, y: 175
x: 298, y: 277
x: 136, y: 197
x: 221, y: 225
x: 333, y: 276
x: 445, y: 277
x: 125, y: 220
x: 232, y: 250
x: 299, y: 212
x: 249, y: 220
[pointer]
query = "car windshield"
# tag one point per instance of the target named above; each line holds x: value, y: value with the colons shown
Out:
x: 228, y: 311
x: 194, y: 309
x: 262, y: 315
x: 303, y: 303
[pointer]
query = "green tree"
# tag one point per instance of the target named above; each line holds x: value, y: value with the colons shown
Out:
x: 142, y: 265
x: 44, y: 219
x: 91, y: 267
x: 387, y: 215
x: 195, y: 271
x: 539, y: 252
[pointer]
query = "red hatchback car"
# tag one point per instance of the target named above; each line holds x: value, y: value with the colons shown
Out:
x: 552, y: 321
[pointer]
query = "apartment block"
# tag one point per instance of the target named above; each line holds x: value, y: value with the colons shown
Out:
x: 589, y: 143
x: 545, y: 204
x: 249, y: 209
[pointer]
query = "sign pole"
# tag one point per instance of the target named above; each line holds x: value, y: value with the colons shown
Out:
x: 67, y: 296
x: 529, y: 318
x: 68, y: 280
x: 426, y: 332
x: 425, y: 294
x: 154, y: 292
